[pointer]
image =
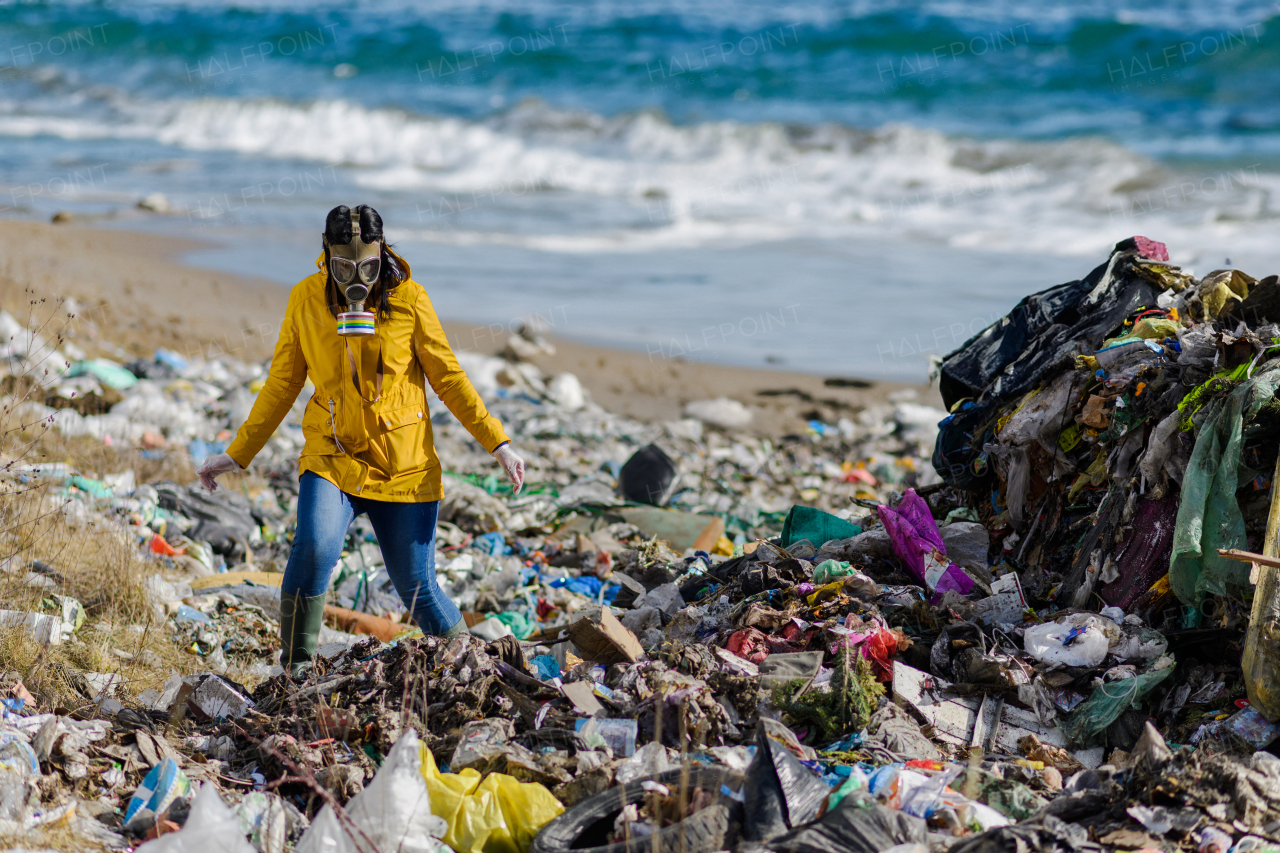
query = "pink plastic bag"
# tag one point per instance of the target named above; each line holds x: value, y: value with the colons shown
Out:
x: 919, y: 545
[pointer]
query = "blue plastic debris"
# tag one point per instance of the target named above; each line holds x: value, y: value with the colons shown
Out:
x: 201, y: 450
x: 160, y: 787
x: 585, y: 585
x: 491, y: 543
x: 187, y: 613
x: 548, y: 667
x: 171, y: 359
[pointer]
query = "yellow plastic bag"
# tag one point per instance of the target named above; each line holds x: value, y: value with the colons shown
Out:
x: 498, y: 814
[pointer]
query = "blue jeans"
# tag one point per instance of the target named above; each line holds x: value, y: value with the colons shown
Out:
x: 406, y: 534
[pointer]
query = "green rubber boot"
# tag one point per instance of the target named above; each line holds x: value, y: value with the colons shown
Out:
x: 300, y: 620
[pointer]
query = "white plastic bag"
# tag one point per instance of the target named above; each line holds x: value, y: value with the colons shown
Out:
x: 211, y: 827
x: 1046, y: 642
x: 649, y: 760
x: 1141, y: 644
x: 393, y: 812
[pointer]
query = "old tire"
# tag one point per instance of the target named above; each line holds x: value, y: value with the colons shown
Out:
x: 585, y: 828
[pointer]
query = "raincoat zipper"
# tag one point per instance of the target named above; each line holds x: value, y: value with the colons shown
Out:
x: 333, y: 426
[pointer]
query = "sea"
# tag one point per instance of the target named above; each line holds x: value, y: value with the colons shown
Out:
x: 843, y: 188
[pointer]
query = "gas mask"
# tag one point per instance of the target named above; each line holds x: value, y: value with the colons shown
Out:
x: 355, y: 267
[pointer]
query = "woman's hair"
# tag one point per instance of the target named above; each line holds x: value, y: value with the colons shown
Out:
x: 337, y: 229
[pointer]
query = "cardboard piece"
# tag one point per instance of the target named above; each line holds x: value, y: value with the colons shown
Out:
x: 582, y: 695
x: 600, y: 637
x: 233, y: 578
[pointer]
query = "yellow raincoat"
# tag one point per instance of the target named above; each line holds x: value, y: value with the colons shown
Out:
x: 367, y: 427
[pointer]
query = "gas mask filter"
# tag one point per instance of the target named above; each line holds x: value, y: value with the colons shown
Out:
x: 355, y: 267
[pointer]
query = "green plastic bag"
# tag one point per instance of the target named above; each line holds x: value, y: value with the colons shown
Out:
x: 518, y: 622
x: 1208, y: 514
x: 806, y: 522
x: 830, y: 570
x: 1092, y: 716
x: 105, y: 371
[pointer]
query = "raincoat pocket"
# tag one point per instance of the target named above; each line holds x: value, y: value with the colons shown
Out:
x: 406, y: 439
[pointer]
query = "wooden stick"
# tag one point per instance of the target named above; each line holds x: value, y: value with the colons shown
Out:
x: 1249, y: 557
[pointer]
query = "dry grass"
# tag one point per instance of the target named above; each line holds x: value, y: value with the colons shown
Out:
x: 94, y: 558
x: 99, y: 563
x: 88, y: 456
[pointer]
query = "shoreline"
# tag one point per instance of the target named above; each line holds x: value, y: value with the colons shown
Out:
x: 134, y: 286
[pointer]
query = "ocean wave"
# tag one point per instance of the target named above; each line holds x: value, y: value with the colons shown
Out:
x: 715, y: 182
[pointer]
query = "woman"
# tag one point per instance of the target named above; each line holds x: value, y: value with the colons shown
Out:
x: 368, y: 436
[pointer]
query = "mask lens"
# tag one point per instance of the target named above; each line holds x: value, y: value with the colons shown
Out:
x: 369, y: 270
x: 343, y: 270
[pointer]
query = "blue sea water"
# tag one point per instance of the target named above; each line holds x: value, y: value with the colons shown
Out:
x: 661, y: 175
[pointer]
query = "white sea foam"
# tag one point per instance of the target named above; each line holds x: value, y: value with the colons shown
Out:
x: 713, y: 183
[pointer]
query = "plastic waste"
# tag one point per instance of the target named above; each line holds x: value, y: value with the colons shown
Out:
x: 967, y: 544
x: 491, y: 629
x: 211, y: 827
x: 493, y: 544
x: 618, y: 735
x: 1077, y: 640
x: 919, y: 545
x: 548, y: 667
x: 818, y: 526
x: 105, y: 371
x: 518, y: 622
x: 1110, y: 700
x: 163, y: 784
x: 922, y: 799
x: 265, y: 820
x: 648, y: 477
x: 720, y: 412
x: 495, y: 815
x: 781, y: 792
x: 829, y: 570
x: 857, y: 826
x: 17, y: 758
x: 394, y: 812
x: 857, y: 780
x: 1209, y: 515
x: 1214, y: 840
x: 1140, y: 644
x: 649, y: 760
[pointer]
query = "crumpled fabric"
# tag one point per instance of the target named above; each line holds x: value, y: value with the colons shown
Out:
x: 893, y: 729
x: 749, y: 643
x: 919, y: 545
x: 1145, y: 557
x: 792, y: 638
x: 1209, y: 516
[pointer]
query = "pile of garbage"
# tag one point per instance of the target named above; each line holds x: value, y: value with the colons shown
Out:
x: 683, y: 637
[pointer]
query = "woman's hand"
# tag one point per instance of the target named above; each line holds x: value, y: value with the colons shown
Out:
x: 214, y: 466
x: 511, y: 463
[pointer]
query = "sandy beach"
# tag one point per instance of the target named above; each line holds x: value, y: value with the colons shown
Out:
x: 134, y: 287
